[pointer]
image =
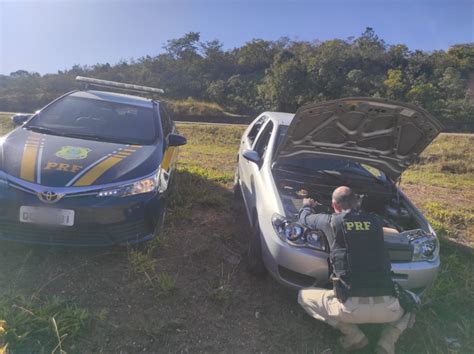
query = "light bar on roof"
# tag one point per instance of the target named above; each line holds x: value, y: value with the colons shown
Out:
x: 119, y: 85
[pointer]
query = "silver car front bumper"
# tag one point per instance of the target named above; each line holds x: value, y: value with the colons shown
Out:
x: 302, y: 267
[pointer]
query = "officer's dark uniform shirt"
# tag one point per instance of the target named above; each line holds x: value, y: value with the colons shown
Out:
x: 321, y: 222
x: 362, y: 276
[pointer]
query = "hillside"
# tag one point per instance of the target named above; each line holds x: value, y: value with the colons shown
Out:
x: 277, y: 75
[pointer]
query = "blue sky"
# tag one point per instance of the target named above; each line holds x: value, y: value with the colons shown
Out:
x: 47, y: 36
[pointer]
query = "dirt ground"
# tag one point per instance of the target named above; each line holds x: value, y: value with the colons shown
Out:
x: 216, y: 306
x: 418, y: 193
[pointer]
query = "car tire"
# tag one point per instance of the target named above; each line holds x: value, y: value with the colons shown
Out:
x: 237, y: 189
x: 255, y: 265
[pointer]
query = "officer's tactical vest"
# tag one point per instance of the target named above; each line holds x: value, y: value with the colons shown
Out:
x: 358, y: 256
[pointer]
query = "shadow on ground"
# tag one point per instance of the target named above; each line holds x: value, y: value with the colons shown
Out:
x: 212, y: 305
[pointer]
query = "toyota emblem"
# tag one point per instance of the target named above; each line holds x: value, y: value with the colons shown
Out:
x: 50, y: 197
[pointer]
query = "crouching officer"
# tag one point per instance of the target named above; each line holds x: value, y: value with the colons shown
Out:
x: 363, y: 290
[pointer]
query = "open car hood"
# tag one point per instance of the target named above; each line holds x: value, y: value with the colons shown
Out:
x: 385, y: 134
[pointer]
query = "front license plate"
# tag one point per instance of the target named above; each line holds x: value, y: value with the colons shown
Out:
x: 47, y: 216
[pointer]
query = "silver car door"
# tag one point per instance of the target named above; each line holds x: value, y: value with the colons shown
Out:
x: 254, y: 170
x: 247, y: 143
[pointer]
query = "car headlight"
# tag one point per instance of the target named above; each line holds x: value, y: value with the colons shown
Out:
x: 146, y: 185
x: 297, y: 235
x: 425, y: 245
x: 316, y: 239
x: 294, y: 232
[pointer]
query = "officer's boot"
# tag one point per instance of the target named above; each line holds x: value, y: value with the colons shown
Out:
x: 391, y: 333
x: 388, y: 339
x: 353, y: 338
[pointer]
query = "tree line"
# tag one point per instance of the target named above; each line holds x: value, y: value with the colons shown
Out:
x: 276, y: 75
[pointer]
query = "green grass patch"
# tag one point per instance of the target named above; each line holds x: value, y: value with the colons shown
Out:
x: 211, y: 150
x: 458, y: 217
x: 446, y: 313
x: 229, y: 150
x: 425, y: 176
x: 207, y: 165
x: 196, y: 188
x: 447, y: 162
x: 142, y: 263
x: 35, y: 326
x: 194, y: 107
x: 455, y: 223
x: 212, y: 175
x: 166, y: 283
x: 221, y: 291
x: 218, y: 135
x: 5, y: 123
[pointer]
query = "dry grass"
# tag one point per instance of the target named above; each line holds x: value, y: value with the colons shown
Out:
x: 442, y: 185
x: 447, y: 162
x: 193, y: 107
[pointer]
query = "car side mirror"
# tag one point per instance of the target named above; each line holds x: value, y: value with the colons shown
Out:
x: 252, y: 156
x: 176, y: 140
x: 20, y: 119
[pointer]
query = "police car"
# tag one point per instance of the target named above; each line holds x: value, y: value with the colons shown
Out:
x: 363, y: 143
x: 92, y: 168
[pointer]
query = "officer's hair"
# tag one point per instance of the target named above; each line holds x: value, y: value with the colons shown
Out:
x: 345, y: 198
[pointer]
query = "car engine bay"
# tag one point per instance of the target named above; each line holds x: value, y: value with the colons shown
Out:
x: 403, y: 232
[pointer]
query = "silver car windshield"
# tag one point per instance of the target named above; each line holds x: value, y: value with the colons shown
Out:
x: 315, y: 163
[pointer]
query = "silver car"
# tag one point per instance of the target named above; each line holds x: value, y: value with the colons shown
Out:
x: 364, y: 143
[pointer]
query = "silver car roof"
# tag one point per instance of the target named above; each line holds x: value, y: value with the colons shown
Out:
x: 281, y: 118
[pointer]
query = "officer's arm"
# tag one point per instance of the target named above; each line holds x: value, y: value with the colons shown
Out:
x: 308, y: 217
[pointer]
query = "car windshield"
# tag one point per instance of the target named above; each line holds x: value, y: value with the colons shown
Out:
x: 97, y: 120
x: 340, y: 167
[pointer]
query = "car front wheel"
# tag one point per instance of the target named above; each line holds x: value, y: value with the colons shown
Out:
x: 237, y: 189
